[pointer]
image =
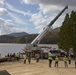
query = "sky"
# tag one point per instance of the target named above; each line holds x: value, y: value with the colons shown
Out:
x: 31, y: 16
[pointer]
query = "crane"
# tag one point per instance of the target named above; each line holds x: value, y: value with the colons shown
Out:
x: 48, y: 28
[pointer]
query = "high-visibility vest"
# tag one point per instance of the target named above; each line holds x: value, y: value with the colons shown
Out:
x: 50, y: 58
x: 17, y: 55
x: 57, y: 59
x: 24, y: 57
x: 65, y: 59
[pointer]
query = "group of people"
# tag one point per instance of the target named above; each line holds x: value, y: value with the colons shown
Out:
x: 37, y: 56
x: 65, y: 59
x: 13, y: 57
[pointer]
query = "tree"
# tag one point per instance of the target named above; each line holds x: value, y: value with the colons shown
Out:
x: 63, y: 37
x: 73, y: 24
x: 67, y: 35
x: 22, y: 40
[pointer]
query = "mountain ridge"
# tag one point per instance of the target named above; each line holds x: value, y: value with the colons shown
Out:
x: 23, y: 37
x: 17, y: 34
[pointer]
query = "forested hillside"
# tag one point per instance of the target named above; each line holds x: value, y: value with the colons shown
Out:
x: 50, y: 38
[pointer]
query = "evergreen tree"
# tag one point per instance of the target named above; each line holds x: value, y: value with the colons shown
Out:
x: 67, y: 35
x: 73, y: 24
x: 63, y: 37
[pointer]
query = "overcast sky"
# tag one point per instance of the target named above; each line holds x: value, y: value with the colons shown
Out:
x: 31, y: 15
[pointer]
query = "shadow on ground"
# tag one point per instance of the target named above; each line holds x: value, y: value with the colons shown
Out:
x: 4, y: 72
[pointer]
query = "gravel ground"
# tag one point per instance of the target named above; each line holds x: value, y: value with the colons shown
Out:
x: 40, y: 68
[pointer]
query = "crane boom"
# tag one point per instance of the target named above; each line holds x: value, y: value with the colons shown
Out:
x: 37, y: 40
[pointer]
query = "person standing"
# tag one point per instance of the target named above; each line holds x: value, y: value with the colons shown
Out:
x: 75, y: 62
x: 29, y: 57
x: 69, y: 59
x: 25, y: 59
x: 65, y: 61
x: 0, y: 55
x: 8, y: 55
x: 17, y: 56
x: 50, y: 61
x: 56, y: 61
x: 37, y: 57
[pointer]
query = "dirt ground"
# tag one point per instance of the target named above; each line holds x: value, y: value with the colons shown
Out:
x: 41, y: 68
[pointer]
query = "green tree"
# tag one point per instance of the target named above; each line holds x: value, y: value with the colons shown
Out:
x: 67, y: 35
x: 63, y: 37
x: 22, y: 40
x: 73, y: 24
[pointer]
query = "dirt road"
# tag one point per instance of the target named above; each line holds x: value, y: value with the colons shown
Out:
x: 41, y: 68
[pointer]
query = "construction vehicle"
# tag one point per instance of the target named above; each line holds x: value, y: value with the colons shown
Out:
x: 34, y: 44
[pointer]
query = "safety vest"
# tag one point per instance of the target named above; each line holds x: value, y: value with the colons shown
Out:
x: 65, y: 59
x: 50, y: 58
x: 24, y: 57
x: 17, y: 55
x: 57, y: 59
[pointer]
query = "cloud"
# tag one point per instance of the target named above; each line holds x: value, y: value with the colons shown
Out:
x: 16, y: 24
x: 3, y: 11
x: 47, y: 10
x: 17, y: 19
x: 16, y: 29
x: 10, y: 7
x: 40, y: 21
x: 6, y: 26
x: 51, y: 8
x: 48, y: 6
x: 1, y: 3
x: 13, y: 16
x: 30, y: 1
x: 52, y: 2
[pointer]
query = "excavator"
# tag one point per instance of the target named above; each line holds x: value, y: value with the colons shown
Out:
x: 34, y: 44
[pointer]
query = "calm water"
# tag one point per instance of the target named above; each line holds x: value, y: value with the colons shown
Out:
x: 10, y: 48
x: 6, y: 48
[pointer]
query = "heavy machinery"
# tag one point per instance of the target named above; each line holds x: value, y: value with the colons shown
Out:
x: 33, y: 45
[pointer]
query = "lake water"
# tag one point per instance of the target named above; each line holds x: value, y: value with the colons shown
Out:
x: 6, y: 48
